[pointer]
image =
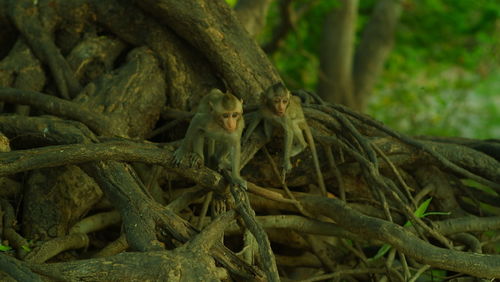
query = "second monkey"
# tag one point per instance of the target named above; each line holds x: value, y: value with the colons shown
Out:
x: 279, y: 108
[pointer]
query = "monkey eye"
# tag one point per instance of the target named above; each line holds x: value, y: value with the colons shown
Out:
x: 235, y: 115
x: 285, y: 101
x: 225, y: 115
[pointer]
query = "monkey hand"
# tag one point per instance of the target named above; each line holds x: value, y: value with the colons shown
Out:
x: 287, y: 166
x: 297, y: 149
x: 179, y: 156
x: 239, y: 182
x: 194, y: 159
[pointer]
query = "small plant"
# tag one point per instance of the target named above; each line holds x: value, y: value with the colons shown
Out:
x: 420, y: 212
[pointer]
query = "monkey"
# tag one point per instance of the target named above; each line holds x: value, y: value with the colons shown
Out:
x: 278, y: 108
x: 219, y: 119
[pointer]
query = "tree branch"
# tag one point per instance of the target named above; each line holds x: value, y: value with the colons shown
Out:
x: 58, y: 107
x: 480, y: 265
x: 214, y: 30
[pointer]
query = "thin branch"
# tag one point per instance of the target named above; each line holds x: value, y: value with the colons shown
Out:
x: 242, y: 205
x: 58, y: 107
x: 417, y: 144
x: 480, y: 265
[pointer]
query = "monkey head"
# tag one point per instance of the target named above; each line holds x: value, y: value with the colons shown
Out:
x: 227, y: 111
x: 277, y: 99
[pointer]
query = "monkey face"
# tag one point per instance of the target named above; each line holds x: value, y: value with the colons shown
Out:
x: 229, y: 121
x: 279, y: 105
x: 276, y: 98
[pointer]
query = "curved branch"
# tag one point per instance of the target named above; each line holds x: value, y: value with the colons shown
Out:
x: 146, y: 222
x: 131, y: 266
x: 212, y: 27
x: 17, y: 269
x: 53, y: 156
x: 27, y: 17
x: 467, y: 224
x: 480, y: 265
x: 58, y: 107
x: 415, y: 143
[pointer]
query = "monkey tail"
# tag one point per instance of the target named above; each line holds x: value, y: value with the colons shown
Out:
x: 317, y: 168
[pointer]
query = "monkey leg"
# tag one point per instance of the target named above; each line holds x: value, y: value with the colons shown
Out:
x: 239, y: 181
x: 252, y: 120
x: 299, y: 143
x: 297, y: 149
x: 222, y: 157
x: 233, y: 180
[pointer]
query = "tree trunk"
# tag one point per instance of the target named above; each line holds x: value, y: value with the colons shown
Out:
x: 347, y: 77
x: 336, y: 57
x: 374, y: 47
x: 213, y: 29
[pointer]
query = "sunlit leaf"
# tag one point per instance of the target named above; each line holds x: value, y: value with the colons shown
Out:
x: 4, y: 248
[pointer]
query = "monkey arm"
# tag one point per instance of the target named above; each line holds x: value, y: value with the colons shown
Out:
x: 198, y: 143
x: 211, y: 152
x: 301, y: 144
x: 268, y: 130
x: 192, y: 140
x: 235, y: 165
x: 288, y: 141
x: 254, y: 119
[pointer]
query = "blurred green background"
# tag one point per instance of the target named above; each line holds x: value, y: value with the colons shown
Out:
x: 441, y: 78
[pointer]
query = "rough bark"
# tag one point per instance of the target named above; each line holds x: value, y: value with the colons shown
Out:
x: 76, y: 205
x: 214, y: 30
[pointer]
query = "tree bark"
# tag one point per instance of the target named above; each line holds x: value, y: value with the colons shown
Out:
x: 375, y: 45
x: 214, y: 30
x: 77, y: 208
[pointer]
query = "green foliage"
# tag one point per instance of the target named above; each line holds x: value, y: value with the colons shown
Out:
x: 4, y: 248
x: 297, y: 58
x: 231, y: 2
x: 420, y: 212
x: 442, y: 77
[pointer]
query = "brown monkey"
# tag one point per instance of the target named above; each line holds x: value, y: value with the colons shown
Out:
x: 218, y: 118
x: 279, y: 108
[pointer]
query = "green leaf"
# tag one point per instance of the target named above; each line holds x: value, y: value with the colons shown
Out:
x: 436, y: 213
x: 231, y: 3
x: 382, y: 251
x: 4, y: 248
x: 420, y: 212
x: 26, y: 248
